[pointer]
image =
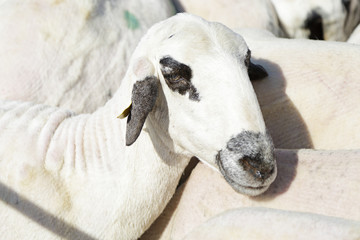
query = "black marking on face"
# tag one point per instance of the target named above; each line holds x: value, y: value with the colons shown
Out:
x: 314, y: 23
x: 178, y: 77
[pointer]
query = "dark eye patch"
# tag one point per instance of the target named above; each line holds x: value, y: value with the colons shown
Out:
x: 178, y: 77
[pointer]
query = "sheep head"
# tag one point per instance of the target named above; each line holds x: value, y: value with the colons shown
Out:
x: 193, y: 86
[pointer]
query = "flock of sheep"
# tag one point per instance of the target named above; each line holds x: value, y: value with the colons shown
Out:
x: 103, y: 104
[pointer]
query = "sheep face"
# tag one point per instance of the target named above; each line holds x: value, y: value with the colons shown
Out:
x: 324, y: 19
x: 205, y: 101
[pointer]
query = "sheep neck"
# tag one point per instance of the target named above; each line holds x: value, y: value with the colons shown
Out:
x: 95, y: 143
x: 93, y: 154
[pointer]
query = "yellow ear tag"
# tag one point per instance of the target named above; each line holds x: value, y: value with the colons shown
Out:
x: 125, y: 113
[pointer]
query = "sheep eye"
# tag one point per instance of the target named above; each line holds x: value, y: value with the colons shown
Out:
x: 178, y: 77
x: 174, y: 71
x: 174, y: 79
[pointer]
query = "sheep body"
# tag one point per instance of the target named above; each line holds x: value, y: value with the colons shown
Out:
x: 71, y: 54
x: 292, y: 98
x: 310, y: 181
x: 244, y: 224
x: 235, y: 14
x: 53, y: 162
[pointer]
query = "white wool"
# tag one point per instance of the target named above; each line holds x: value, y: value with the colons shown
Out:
x: 258, y: 14
x: 262, y: 223
x: 71, y: 54
x: 312, y: 187
x: 310, y: 98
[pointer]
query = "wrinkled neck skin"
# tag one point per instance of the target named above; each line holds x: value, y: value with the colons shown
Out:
x: 137, y: 180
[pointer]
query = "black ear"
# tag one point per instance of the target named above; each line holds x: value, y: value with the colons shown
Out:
x: 256, y: 72
x: 143, y: 99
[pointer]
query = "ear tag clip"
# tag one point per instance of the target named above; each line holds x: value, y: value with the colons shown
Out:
x: 125, y: 113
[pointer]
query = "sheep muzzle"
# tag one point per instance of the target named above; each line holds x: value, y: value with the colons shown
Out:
x: 248, y: 163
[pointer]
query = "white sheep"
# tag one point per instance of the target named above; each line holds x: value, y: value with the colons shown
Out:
x: 235, y: 14
x: 320, y: 19
x: 311, y: 97
x: 69, y: 53
x: 311, y: 181
x: 71, y: 176
x: 247, y: 223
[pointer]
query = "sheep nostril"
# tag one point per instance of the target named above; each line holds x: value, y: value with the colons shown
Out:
x: 249, y: 166
x: 255, y: 168
x: 246, y: 163
x: 258, y: 174
x: 265, y: 174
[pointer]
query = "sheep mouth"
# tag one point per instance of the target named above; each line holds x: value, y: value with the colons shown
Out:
x: 244, y: 189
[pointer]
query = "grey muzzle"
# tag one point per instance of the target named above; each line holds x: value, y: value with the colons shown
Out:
x: 248, y: 163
